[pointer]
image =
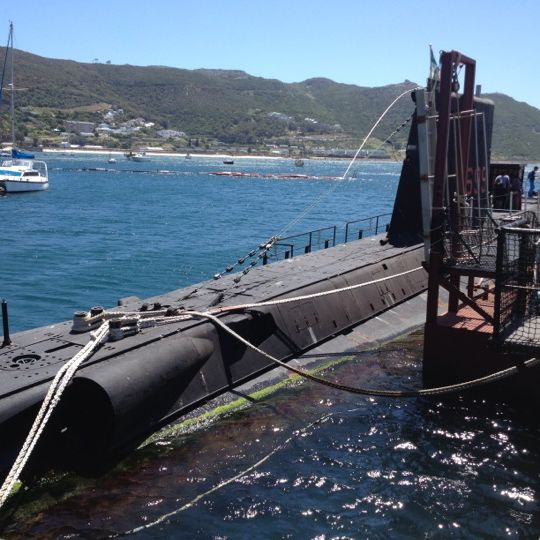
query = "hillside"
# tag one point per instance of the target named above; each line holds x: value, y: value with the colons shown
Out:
x: 516, y: 128
x: 229, y: 107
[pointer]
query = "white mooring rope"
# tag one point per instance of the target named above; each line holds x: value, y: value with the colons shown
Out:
x: 159, y: 316
x: 52, y: 398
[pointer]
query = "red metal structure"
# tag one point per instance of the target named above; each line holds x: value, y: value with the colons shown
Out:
x: 450, y: 62
x: 493, y: 292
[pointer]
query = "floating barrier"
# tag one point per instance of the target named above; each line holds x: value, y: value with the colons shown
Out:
x: 274, y: 176
x: 240, y: 174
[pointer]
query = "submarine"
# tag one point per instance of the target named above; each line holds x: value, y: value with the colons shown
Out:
x: 103, y: 382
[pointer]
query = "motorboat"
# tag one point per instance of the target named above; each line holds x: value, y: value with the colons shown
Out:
x: 137, y: 156
x: 19, y: 175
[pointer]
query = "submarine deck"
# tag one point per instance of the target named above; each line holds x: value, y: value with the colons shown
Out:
x: 263, y: 283
x: 146, y: 380
x: 37, y: 354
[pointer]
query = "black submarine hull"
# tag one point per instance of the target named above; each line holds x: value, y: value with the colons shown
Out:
x: 132, y: 387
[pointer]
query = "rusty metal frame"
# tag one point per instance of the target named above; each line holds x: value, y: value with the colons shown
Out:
x: 450, y: 62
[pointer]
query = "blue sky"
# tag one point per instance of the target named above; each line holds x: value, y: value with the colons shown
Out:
x: 350, y: 41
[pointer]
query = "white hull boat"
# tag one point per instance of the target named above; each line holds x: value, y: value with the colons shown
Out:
x: 19, y: 175
x: 21, y: 172
x: 139, y: 156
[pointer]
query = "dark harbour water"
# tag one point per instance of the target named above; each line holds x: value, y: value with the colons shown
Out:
x: 304, y: 462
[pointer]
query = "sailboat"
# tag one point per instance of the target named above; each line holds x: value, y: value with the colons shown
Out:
x: 21, y: 172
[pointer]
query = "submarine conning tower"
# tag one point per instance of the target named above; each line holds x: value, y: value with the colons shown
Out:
x: 483, y: 252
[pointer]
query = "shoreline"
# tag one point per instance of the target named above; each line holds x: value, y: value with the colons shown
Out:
x: 116, y: 153
x: 121, y: 153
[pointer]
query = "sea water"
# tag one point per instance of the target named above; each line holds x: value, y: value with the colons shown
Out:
x: 146, y: 228
x: 304, y: 462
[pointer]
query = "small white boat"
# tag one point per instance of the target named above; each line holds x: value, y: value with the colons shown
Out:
x: 139, y: 156
x: 18, y: 175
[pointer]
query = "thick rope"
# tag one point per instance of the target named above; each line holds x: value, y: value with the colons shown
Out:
x: 159, y: 316
x: 57, y: 387
x: 513, y: 370
x: 313, y: 295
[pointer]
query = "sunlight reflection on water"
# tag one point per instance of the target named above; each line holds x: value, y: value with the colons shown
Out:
x: 337, y: 465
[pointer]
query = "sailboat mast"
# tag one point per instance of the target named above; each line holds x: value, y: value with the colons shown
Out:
x: 10, y: 40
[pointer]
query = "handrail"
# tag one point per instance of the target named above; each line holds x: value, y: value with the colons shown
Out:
x: 377, y: 219
x: 311, y: 243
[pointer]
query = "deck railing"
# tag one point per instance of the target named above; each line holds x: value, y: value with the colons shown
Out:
x: 306, y: 242
x: 361, y: 228
x: 317, y: 239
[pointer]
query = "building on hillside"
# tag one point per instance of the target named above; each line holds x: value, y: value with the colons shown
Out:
x: 111, y: 114
x: 280, y: 116
x: 75, y: 126
x: 170, y: 133
x: 135, y: 122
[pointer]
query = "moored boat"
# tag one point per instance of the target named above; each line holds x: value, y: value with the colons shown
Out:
x: 137, y: 156
x: 21, y: 175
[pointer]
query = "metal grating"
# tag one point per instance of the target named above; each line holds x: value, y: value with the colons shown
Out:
x: 474, y: 242
x: 517, y: 294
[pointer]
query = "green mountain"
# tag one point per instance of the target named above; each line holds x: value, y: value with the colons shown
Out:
x: 230, y: 106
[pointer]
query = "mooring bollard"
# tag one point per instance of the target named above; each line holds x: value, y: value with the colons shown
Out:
x: 5, y: 324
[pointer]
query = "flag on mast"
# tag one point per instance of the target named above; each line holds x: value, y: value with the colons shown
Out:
x: 434, y: 70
